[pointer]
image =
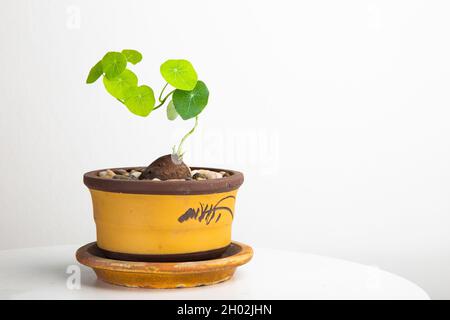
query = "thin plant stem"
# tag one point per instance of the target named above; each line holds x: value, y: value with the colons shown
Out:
x: 179, y: 153
x: 163, y: 100
x: 162, y: 91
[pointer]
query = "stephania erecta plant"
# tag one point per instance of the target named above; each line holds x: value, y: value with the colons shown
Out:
x: 183, y: 95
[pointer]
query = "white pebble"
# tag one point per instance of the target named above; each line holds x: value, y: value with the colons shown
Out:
x: 136, y: 174
x: 208, y: 174
x: 110, y: 173
x: 102, y: 174
x: 106, y: 174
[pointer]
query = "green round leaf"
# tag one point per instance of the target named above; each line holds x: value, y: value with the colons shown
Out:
x: 120, y: 85
x: 179, y: 74
x: 132, y: 56
x: 172, y: 114
x: 113, y: 64
x: 95, y: 72
x: 140, y: 100
x: 189, y: 104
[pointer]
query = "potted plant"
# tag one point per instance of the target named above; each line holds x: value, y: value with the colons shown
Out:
x: 166, y: 211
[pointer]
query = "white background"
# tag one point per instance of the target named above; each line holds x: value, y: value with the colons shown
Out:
x: 336, y: 111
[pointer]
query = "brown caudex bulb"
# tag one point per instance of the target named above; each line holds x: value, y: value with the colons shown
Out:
x: 165, y: 168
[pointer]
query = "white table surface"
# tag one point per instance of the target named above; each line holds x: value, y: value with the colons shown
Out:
x: 41, y: 273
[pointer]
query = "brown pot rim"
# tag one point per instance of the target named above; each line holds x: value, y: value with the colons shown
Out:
x: 188, y: 187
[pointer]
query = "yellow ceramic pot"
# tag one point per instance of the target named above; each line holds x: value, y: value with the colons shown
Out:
x: 144, y: 220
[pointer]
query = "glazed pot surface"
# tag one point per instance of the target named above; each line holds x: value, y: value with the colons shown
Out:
x: 183, y: 223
